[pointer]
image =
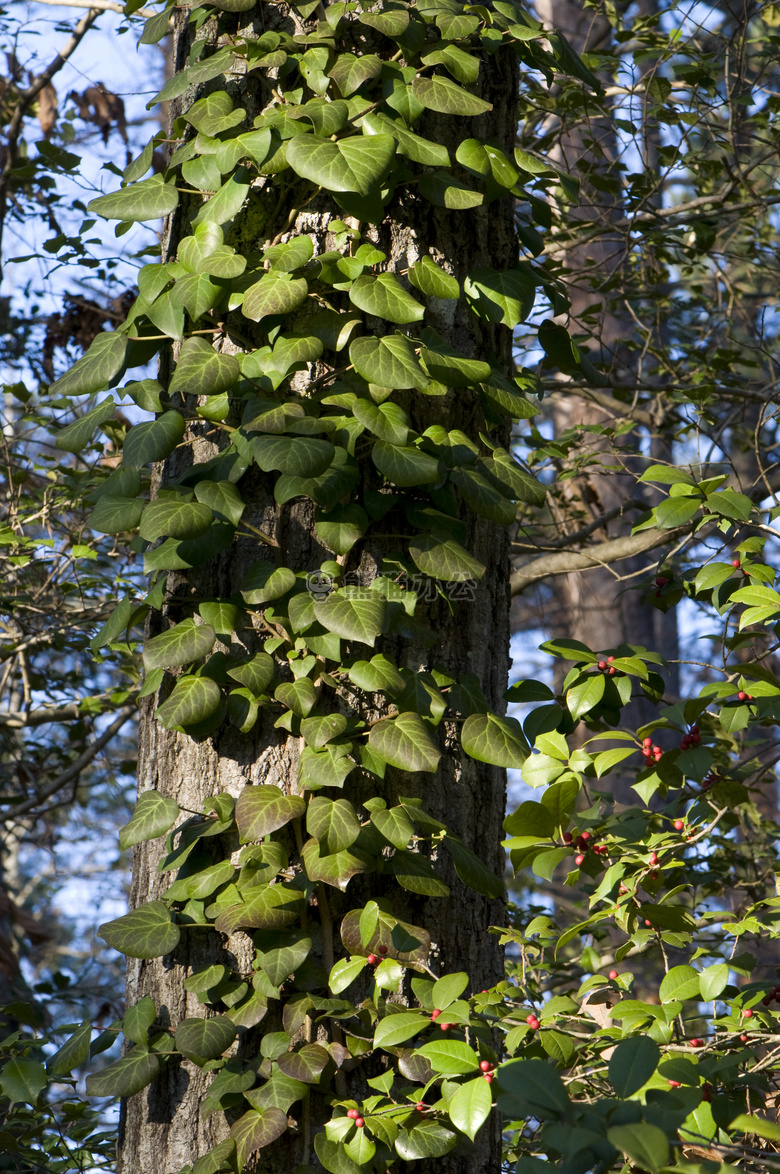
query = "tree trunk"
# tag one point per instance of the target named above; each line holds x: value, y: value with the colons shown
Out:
x: 162, y: 1127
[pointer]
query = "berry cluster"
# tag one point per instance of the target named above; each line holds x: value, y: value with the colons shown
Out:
x: 354, y: 1115
x: 650, y: 751
x: 606, y: 666
x: 532, y: 1022
x: 771, y: 996
x: 692, y: 738
x: 488, y: 1070
x: 581, y: 842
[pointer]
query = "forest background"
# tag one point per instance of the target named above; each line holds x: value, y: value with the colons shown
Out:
x: 649, y: 167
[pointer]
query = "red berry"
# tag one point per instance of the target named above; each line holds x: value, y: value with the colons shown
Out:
x: 602, y: 665
x: 695, y: 737
x: 742, y: 696
x: 696, y: 1043
x: 648, y: 922
x: 679, y: 825
x: 613, y: 974
x: 486, y: 1066
x: 372, y: 959
x: 567, y: 837
x: 530, y: 1018
x: 735, y: 562
x: 660, y: 581
x: 585, y: 836
x: 767, y: 999
x: 653, y: 858
x: 658, y: 753
x: 648, y: 741
x: 382, y: 949
x: 706, y: 1096
x: 445, y: 1026
x: 578, y: 860
x: 610, y: 659
x: 359, y: 1122
x: 748, y: 1014
x: 435, y: 1013
x: 352, y: 1114
x: 533, y: 1023
x: 743, y: 1037
x: 421, y: 1106
x: 483, y: 992
x: 611, y: 671
x: 488, y: 1076
x: 675, y: 1084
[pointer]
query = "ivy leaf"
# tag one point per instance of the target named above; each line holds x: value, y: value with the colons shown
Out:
x: 115, y: 515
x: 376, y: 674
x: 383, y: 295
x: 255, y: 674
x: 433, y: 281
x: 126, y: 1077
x: 275, y: 293
x: 96, y: 369
x: 318, y: 731
x: 507, y: 296
x: 221, y: 1157
x: 447, y: 191
x: 148, y: 200
x: 350, y: 72
x: 291, y: 949
x: 449, y: 366
x: 214, y: 113
x: 305, y: 1065
x: 394, y: 824
x: 257, y: 1128
x: 405, y: 465
x: 300, y: 456
x: 264, y: 582
x: 138, y: 1019
x: 222, y: 498
x: 414, y: 873
x: 23, y: 1080
x: 78, y: 435
x: 153, y: 441
x: 194, y: 700
x: 341, y: 528
x: 416, y: 148
x: 290, y: 254
x: 497, y: 740
x: 442, y: 95
x: 391, y: 23
x: 174, y: 517
x: 335, y: 868
x: 333, y: 823
x: 262, y: 809
x: 273, y: 907
x: 389, y: 361
x: 73, y: 1053
x: 333, y: 1157
x: 472, y: 871
x: 202, y: 371
x: 182, y: 644
x: 328, y: 767
x: 426, y: 1140
x: 470, y: 1107
x: 442, y: 557
x: 404, y: 742
x: 352, y: 613
x: 355, y: 164
x: 204, y: 1039
x: 146, y: 932
x: 300, y: 696
x: 152, y: 816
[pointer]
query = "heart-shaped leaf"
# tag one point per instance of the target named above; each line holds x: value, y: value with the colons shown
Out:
x: 202, y: 371
x: 263, y: 809
x: 352, y: 164
x: 182, y: 644
x: 204, y: 1039
x: 146, y: 932
x: 404, y: 742
x: 194, y: 700
x: 152, y: 816
x: 148, y: 200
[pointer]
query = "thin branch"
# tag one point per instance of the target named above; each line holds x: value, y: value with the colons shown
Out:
x: 73, y: 771
x: 42, y: 717
x: 102, y: 5
x: 602, y: 554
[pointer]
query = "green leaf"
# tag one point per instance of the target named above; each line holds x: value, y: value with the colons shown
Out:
x: 497, y: 740
x: 115, y: 515
x: 425, y: 1141
x: 264, y: 582
x: 96, y: 369
x: 433, y: 281
x: 152, y: 816
x: 376, y: 674
x: 214, y: 113
x: 355, y: 164
x: 126, y: 1077
x: 73, y: 1053
x: 676, y: 511
x: 341, y: 528
x: 394, y: 824
x: 222, y: 498
x: 404, y: 742
x: 255, y: 674
x: 217, y: 1160
x: 202, y: 371
x: 174, y: 517
x: 23, y: 1080
x: 350, y: 72
x: 204, y: 1039
x: 449, y: 365
x: 751, y: 1123
x: 680, y: 983
x: 644, y: 1144
x: 344, y: 973
x: 414, y: 872
x: 194, y: 700
x: 406, y: 466
x: 138, y: 1019
x: 78, y: 435
x: 440, y: 94
x: 450, y: 1057
x: 506, y: 297
x: 470, y: 1107
x: 333, y: 1157
x: 449, y: 988
x: 299, y: 456
x: 442, y: 557
x: 447, y: 191
x: 184, y: 643
x: 333, y: 823
x: 632, y: 1064
x: 262, y: 809
x: 472, y: 871
x: 713, y: 980
x: 146, y: 932
x: 586, y: 695
x: 383, y: 295
x: 353, y: 613
x: 396, y: 1029
x: 416, y: 148
x: 257, y: 1128
x: 393, y: 22
x: 148, y: 200
x: 336, y: 869
x: 532, y: 1088
x: 275, y: 293
x: 300, y: 696
x: 153, y: 441
x: 292, y: 254
x: 273, y: 907
x: 389, y: 361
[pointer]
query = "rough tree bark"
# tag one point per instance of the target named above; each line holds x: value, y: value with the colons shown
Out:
x: 162, y: 1128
